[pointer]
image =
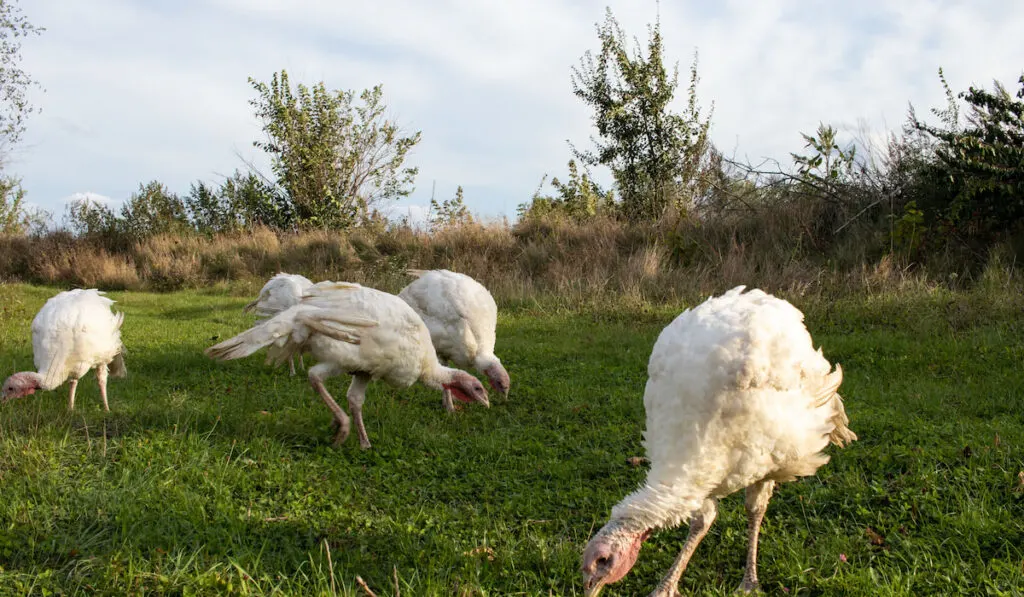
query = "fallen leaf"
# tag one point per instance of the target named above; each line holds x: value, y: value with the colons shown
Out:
x: 874, y: 537
x: 636, y: 461
x: 997, y: 441
x: 967, y: 452
x: 842, y: 558
x: 483, y: 549
x: 264, y: 412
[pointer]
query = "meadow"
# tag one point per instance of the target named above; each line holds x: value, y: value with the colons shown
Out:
x: 219, y: 478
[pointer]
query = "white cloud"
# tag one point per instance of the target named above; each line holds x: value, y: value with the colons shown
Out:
x: 87, y: 196
x: 139, y: 91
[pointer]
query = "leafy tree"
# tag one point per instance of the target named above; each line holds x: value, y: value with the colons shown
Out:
x: 242, y: 201
x: 257, y: 202
x: 207, y: 209
x: 14, y: 82
x: 658, y: 158
x: 88, y: 218
x: 981, y: 164
x: 579, y: 198
x: 14, y: 216
x: 333, y: 157
x: 829, y: 167
x: 450, y: 212
x: 153, y: 210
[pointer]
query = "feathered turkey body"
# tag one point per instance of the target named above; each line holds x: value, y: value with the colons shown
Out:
x: 462, y: 318
x: 74, y: 332
x: 737, y: 397
x: 279, y: 293
x: 352, y: 329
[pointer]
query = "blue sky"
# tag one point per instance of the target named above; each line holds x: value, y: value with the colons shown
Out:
x: 136, y: 91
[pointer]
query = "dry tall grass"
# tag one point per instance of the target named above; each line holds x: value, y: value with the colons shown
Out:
x: 578, y: 263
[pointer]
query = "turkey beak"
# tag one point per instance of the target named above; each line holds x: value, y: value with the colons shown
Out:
x: 592, y: 586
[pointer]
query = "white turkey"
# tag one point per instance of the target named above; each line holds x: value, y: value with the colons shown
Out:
x: 462, y: 317
x: 279, y: 293
x: 74, y: 332
x: 737, y: 397
x: 357, y: 330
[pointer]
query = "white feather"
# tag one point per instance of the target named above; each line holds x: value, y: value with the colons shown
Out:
x: 357, y: 329
x: 279, y: 293
x: 74, y: 332
x: 736, y: 394
x: 459, y: 312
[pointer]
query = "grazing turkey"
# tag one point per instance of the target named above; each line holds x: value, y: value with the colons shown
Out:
x: 73, y: 332
x: 279, y: 293
x: 737, y: 397
x: 352, y: 329
x: 462, y: 317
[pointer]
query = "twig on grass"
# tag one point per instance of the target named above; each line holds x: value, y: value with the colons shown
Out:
x: 362, y: 583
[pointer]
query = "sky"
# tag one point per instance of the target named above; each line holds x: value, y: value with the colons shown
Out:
x: 135, y: 91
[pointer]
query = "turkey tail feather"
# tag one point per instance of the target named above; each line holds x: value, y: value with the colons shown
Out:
x: 251, y: 340
x: 841, y: 435
x: 345, y: 329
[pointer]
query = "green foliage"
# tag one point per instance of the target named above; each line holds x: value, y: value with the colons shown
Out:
x: 450, y: 212
x: 829, y: 167
x: 909, y: 229
x: 218, y: 478
x: 153, y: 210
x: 91, y: 219
x: 242, y: 201
x: 13, y: 217
x: 333, y: 158
x: 14, y: 82
x: 980, y: 164
x: 257, y: 202
x: 579, y: 198
x: 659, y: 159
x: 207, y: 210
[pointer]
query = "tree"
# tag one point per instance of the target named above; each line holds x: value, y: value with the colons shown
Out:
x: 14, y: 82
x: 256, y: 202
x: 579, y: 198
x: 334, y: 158
x: 658, y: 157
x: 830, y: 167
x: 981, y: 163
x: 14, y: 109
x: 450, y: 212
x: 88, y: 218
x: 14, y: 219
x: 153, y: 210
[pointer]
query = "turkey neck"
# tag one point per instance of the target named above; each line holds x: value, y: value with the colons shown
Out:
x: 437, y: 376
x: 654, y: 506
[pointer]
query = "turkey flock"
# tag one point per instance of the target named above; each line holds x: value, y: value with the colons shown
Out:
x: 737, y: 397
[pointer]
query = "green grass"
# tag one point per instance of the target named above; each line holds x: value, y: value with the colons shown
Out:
x: 217, y: 478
